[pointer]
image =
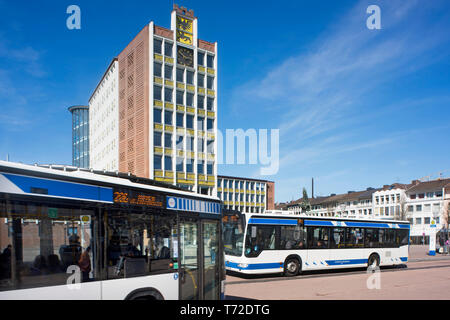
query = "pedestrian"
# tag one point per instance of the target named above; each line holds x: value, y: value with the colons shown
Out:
x: 85, y: 264
x: 446, y: 247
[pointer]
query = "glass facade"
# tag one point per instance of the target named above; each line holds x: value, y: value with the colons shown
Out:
x: 80, y: 136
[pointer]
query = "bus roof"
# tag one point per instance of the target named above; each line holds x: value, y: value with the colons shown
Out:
x: 296, y: 216
x: 96, y: 177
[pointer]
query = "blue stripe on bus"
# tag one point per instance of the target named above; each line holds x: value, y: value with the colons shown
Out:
x: 62, y: 188
x: 256, y: 266
x: 322, y: 223
x: 345, y: 262
x: 404, y: 259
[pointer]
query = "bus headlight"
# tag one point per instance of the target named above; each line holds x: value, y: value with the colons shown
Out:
x: 242, y: 265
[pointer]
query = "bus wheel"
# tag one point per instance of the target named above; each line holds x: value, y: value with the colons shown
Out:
x: 373, y: 261
x: 291, y: 267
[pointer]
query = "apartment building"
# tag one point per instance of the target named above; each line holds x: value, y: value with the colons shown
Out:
x: 246, y: 195
x: 428, y: 207
x: 154, y: 112
x: 104, y: 120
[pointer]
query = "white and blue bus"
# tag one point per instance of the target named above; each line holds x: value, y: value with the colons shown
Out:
x: 68, y: 233
x: 290, y: 244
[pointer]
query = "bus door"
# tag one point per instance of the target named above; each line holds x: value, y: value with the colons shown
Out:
x: 199, y: 259
x: 318, y: 247
x: 189, y: 259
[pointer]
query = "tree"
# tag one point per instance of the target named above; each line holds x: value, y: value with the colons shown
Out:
x: 305, y: 205
x: 402, y: 212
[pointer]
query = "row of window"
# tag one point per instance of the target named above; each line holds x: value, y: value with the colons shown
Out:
x: 424, y: 208
x: 225, y: 183
x: 422, y: 195
x: 168, y: 51
x: 180, y: 75
x: 385, y: 199
x: 179, y: 142
x: 260, y: 237
x: 240, y: 197
x: 180, y: 118
x: 426, y: 220
x: 179, y: 98
x: 179, y: 165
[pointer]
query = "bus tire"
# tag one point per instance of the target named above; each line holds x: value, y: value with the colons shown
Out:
x: 145, y: 294
x: 292, y: 267
x: 373, y: 261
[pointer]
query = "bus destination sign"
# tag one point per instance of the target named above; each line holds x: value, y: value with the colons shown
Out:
x: 137, y: 198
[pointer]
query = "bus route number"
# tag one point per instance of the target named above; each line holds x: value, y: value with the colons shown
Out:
x: 120, y: 197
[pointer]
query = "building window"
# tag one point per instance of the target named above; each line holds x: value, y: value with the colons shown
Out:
x: 427, y: 220
x: 157, y: 115
x: 418, y: 208
x: 189, y: 99
x: 168, y: 117
x: 157, y: 139
x: 210, y: 104
x: 168, y: 48
x: 180, y: 120
x: 180, y: 145
x: 157, y: 93
x: 201, y: 80
x: 210, y: 124
x: 168, y: 72
x: 180, y: 97
x: 210, y: 61
x: 180, y: 75
x: 168, y: 140
x: 157, y: 162
x: 430, y: 194
x: 157, y: 69
x: 209, y: 168
x: 412, y: 196
x: 180, y: 164
x: 418, y: 220
x: 190, y: 121
x: 157, y: 46
x: 190, y: 165
x: 190, y: 143
x: 201, y: 58
x: 200, y: 123
x: 210, y: 147
x: 210, y: 82
x: 200, y: 167
x: 200, y: 147
x: 168, y: 163
x: 201, y: 102
x: 168, y: 94
x: 190, y: 77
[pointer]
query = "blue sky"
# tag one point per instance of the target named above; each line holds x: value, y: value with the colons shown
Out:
x: 356, y: 108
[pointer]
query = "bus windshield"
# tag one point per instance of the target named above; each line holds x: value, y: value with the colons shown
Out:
x: 233, y: 233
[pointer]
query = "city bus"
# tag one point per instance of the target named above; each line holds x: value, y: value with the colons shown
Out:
x: 70, y: 233
x: 290, y: 244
